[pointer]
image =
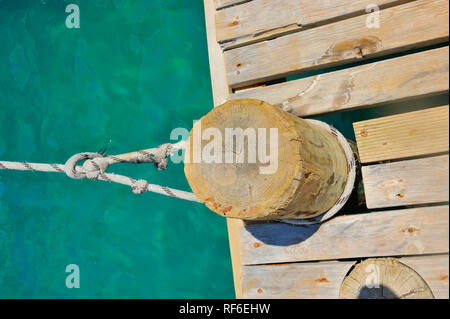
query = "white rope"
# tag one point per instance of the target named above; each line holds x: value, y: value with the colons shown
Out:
x: 96, y: 164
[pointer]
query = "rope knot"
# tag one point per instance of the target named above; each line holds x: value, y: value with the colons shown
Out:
x: 139, y: 186
x: 94, y: 168
x: 160, y: 157
x: 77, y: 172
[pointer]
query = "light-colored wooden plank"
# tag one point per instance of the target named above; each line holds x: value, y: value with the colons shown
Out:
x: 404, y: 135
x: 216, y: 61
x: 323, y: 279
x: 384, y: 278
x: 392, y: 80
x: 410, y: 182
x: 220, y: 94
x: 234, y: 238
x: 434, y: 270
x: 259, y: 20
x: 412, y: 231
x: 402, y: 27
x: 220, y: 4
x: 320, y: 280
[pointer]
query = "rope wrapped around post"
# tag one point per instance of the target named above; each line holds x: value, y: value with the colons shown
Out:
x: 95, y: 165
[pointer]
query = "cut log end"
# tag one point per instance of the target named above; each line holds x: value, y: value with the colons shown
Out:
x: 384, y: 278
x: 282, y: 166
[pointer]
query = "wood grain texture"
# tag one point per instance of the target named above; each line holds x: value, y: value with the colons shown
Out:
x: 216, y: 61
x: 412, y: 76
x: 304, y: 179
x: 404, y: 135
x: 384, y: 278
x: 409, y: 182
x: 323, y: 279
x: 259, y: 20
x: 340, y: 42
x: 220, y: 4
x: 412, y: 231
x: 320, y: 280
x: 220, y: 94
x: 234, y: 238
x: 434, y: 270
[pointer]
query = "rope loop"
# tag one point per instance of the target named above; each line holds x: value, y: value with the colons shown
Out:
x: 76, y: 172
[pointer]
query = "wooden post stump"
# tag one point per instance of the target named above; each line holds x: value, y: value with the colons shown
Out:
x: 384, y: 278
x: 311, y: 167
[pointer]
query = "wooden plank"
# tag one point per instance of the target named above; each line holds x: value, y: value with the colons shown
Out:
x: 234, y: 238
x: 434, y: 270
x: 404, y: 135
x: 221, y: 4
x: 341, y: 42
x: 216, y: 62
x: 320, y: 280
x: 323, y: 279
x: 396, y: 280
x: 412, y: 231
x: 220, y: 94
x: 259, y: 20
x: 368, y: 85
x: 410, y: 182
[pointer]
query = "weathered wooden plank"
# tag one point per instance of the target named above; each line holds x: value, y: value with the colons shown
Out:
x: 216, y: 63
x: 368, y: 85
x: 220, y: 94
x: 297, y: 280
x: 384, y: 278
x: 412, y: 231
x: 234, y: 238
x: 434, y: 270
x: 410, y: 182
x: 323, y: 279
x: 404, y: 135
x: 221, y: 4
x: 340, y: 42
x: 259, y: 20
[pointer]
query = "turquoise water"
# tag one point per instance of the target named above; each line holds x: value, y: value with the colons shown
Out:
x: 133, y: 71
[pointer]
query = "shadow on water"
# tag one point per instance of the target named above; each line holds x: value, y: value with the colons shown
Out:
x: 280, y: 234
x: 381, y: 292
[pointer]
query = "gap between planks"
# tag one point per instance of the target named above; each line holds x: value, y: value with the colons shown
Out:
x: 223, y: 4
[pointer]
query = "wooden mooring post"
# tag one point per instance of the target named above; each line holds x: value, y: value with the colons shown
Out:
x: 247, y: 159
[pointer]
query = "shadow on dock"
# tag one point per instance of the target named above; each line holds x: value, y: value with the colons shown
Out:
x: 381, y: 292
x: 280, y: 234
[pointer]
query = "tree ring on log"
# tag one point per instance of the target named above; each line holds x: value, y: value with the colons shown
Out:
x: 311, y: 173
x: 384, y: 278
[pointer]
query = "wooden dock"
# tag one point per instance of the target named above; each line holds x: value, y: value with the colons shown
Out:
x: 255, y: 44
